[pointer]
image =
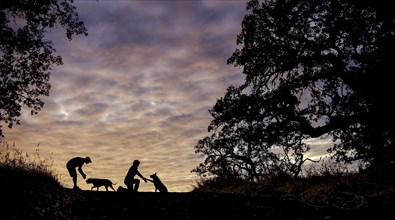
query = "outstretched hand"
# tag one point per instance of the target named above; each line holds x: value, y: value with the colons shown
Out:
x: 145, y: 180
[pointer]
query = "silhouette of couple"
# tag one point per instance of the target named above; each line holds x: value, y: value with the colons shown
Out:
x: 76, y: 163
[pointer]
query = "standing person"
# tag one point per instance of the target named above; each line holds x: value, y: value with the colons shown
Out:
x: 129, y: 178
x: 73, y: 164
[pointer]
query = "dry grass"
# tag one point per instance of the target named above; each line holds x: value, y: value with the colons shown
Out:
x: 337, y: 189
x: 30, y: 186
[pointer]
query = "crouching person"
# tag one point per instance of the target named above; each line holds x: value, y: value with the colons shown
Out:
x: 132, y: 183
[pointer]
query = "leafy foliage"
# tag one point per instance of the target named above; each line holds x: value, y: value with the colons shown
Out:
x: 26, y: 56
x: 314, y: 69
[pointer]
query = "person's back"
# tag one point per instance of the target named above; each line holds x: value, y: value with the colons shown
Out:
x: 75, y: 162
x: 131, y: 173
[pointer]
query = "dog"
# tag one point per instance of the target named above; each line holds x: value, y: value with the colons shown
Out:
x: 159, y: 186
x: 101, y: 182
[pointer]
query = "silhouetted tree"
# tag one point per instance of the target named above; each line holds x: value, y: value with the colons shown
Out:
x: 26, y: 57
x: 314, y: 69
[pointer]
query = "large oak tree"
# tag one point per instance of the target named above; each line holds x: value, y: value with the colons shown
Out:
x: 26, y: 56
x: 313, y: 69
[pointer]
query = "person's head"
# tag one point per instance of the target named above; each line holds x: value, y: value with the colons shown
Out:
x: 136, y: 163
x: 88, y: 160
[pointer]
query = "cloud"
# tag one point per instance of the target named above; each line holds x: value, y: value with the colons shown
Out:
x: 139, y: 86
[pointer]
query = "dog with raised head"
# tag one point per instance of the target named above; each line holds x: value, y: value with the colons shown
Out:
x: 159, y: 186
x: 97, y: 183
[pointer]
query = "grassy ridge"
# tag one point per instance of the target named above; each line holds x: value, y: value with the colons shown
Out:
x: 29, y: 187
x: 342, y: 192
x: 30, y: 190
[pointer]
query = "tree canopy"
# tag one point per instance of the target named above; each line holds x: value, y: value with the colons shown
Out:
x: 313, y: 69
x: 26, y: 56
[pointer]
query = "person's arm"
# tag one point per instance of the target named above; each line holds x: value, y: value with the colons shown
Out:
x: 82, y: 172
x: 141, y: 176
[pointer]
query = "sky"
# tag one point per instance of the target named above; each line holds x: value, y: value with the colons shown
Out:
x: 139, y: 86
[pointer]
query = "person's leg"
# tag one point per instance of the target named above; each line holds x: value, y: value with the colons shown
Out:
x: 129, y: 185
x: 136, y: 184
x: 73, y: 174
x: 75, y: 182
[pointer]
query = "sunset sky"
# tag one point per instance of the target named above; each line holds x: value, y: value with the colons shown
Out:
x: 139, y: 86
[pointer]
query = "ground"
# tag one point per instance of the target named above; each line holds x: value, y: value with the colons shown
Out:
x: 25, y: 196
x: 191, y: 206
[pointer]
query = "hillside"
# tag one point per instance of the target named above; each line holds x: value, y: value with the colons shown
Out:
x: 31, y: 194
x: 70, y: 204
x: 37, y: 202
x: 199, y: 205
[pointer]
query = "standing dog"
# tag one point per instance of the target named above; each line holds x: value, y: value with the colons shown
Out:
x: 159, y: 186
x: 100, y: 182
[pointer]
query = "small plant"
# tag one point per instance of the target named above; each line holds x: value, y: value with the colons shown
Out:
x: 31, y: 166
